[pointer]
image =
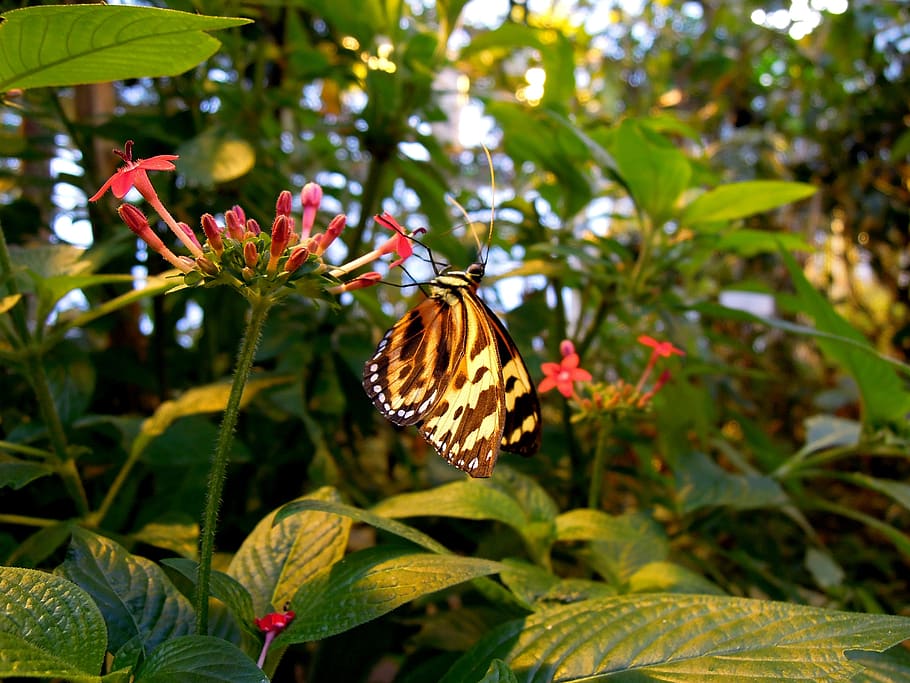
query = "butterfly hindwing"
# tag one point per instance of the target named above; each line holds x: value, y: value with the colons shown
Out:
x: 466, y: 425
x: 450, y: 367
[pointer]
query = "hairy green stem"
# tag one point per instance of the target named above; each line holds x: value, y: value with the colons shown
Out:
x: 218, y: 471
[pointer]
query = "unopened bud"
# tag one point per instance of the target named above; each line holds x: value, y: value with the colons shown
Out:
x: 283, y: 204
x: 236, y: 226
x: 310, y: 198
x: 250, y: 254
x: 212, y: 233
x: 297, y: 258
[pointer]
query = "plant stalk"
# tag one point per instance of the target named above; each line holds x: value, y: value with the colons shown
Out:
x: 218, y: 471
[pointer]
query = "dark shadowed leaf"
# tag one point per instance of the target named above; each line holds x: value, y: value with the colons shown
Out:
x: 199, y: 659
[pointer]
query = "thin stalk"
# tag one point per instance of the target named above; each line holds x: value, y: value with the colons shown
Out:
x: 37, y: 377
x: 218, y: 471
x: 600, y: 463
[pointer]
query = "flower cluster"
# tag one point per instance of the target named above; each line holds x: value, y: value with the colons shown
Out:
x: 602, y: 397
x: 240, y: 253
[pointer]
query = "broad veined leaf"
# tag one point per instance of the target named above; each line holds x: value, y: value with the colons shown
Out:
x: 654, y: 171
x: 16, y: 473
x: 199, y: 659
x: 536, y: 587
x: 60, y: 45
x: 279, y: 556
x: 49, y: 627
x: 738, y: 200
x: 140, y: 605
x: 702, y: 483
x: 460, y: 499
x: 224, y: 588
x: 884, y: 397
x: 682, y: 638
x: 370, y: 583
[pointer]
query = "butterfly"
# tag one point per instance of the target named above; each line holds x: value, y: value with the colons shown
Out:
x: 450, y: 367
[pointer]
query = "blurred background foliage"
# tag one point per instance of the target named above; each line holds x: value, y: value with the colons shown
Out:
x: 775, y: 464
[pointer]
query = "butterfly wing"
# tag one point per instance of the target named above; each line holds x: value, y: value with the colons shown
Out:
x: 411, y: 368
x: 466, y: 424
x: 522, y: 422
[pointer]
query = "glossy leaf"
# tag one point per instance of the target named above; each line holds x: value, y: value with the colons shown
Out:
x: 49, y: 627
x: 679, y: 639
x: 278, y: 557
x: 98, y: 43
x: 370, y: 583
x: 738, y: 200
x: 199, y: 659
x: 15, y: 473
x: 140, y: 605
x: 884, y: 397
x: 702, y: 483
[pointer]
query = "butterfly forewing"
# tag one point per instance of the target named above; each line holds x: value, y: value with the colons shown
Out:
x: 450, y: 367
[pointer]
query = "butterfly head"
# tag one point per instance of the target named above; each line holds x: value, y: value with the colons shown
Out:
x: 475, y: 272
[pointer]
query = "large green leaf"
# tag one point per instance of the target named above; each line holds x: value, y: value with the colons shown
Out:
x: 460, y: 499
x: 654, y: 171
x: 224, y: 588
x: 60, y: 45
x: 370, y: 583
x: 277, y: 557
x: 15, y: 473
x: 140, y: 605
x: 682, y: 639
x: 738, y: 200
x: 884, y: 397
x: 49, y: 627
x: 199, y: 659
x: 703, y: 483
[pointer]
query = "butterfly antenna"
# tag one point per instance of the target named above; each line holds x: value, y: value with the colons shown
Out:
x: 492, y: 199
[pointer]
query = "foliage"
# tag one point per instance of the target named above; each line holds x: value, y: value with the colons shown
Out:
x: 744, y: 514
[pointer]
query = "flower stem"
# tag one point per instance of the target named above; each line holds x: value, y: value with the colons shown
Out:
x: 37, y: 377
x: 218, y: 471
x: 600, y: 463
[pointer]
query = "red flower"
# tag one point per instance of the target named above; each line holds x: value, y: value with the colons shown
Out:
x: 272, y: 624
x: 275, y: 622
x: 400, y: 243
x: 134, y: 173
x: 662, y: 349
x: 563, y: 375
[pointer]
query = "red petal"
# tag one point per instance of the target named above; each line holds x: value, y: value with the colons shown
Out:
x: 162, y: 162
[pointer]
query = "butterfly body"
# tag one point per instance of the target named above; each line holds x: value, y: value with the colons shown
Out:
x: 450, y: 367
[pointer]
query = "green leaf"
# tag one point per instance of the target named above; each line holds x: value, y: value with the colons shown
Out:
x: 173, y: 532
x: 620, y: 546
x: 536, y: 587
x: 653, y: 170
x: 98, y: 43
x: 279, y: 556
x: 459, y: 499
x: 898, y: 491
x: 701, y: 483
x: 499, y: 672
x: 401, y: 530
x: 224, y: 588
x: 140, y: 605
x: 738, y: 200
x: 15, y: 473
x: 882, y: 667
x: 370, y: 583
x: 746, y: 242
x: 677, y: 638
x: 884, y: 398
x: 829, y: 431
x: 667, y: 577
x: 49, y: 627
x: 553, y: 47
x: 199, y: 659
x: 215, y: 156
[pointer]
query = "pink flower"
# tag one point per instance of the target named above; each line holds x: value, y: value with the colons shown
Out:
x: 134, y: 173
x: 310, y: 198
x: 400, y: 243
x: 563, y: 375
